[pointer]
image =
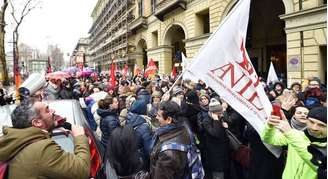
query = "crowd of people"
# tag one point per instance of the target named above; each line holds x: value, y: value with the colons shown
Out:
x: 152, y: 129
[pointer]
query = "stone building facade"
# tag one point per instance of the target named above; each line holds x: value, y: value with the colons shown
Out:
x: 290, y: 33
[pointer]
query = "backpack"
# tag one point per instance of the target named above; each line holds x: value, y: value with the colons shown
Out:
x: 195, y: 167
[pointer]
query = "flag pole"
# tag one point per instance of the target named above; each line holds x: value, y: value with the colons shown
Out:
x: 176, y: 81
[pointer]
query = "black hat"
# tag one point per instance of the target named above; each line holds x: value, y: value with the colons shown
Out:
x: 318, y: 113
x: 192, y: 97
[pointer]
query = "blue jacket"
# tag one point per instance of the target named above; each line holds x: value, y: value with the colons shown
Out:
x: 108, y: 122
x: 142, y: 128
x: 144, y: 95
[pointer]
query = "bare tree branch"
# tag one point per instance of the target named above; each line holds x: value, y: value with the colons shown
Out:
x: 24, y: 12
x: 13, y: 11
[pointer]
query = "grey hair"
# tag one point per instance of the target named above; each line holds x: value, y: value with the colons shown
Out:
x: 23, y: 115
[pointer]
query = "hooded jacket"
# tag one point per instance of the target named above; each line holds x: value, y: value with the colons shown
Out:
x: 142, y: 128
x: 298, y: 165
x: 43, y: 158
x: 108, y: 122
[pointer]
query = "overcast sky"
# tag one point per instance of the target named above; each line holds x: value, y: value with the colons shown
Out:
x: 60, y: 22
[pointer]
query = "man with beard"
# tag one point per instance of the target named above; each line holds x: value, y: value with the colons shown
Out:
x: 32, y: 153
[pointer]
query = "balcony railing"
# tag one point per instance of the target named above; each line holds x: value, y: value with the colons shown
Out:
x: 139, y: 23
x: 166, y: 6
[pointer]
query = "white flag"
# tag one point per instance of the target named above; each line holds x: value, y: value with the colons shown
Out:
x: 184, y: 62
x: 187, y: 75
x: 224, y: 65
x: 272, y: 76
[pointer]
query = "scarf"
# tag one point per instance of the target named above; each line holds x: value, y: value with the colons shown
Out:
x: 297, y: 124
x: 314, y: 139
x: 163, y: 130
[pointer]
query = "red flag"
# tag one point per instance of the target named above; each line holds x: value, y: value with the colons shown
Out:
x: 49, y: 70
x: 112, y: 75
x: 151, y: 68
x: 125, y: 70
x: 174, y: 72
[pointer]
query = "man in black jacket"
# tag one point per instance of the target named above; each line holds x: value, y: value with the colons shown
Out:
x: 214, y: 142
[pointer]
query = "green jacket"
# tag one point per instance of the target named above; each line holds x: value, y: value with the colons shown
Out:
x: 43, y: 158
x: 298, y: 165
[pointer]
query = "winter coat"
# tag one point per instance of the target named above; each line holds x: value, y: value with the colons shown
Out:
x: 143, y: 131
x: 298, y: 163
x: 190, y: 112
x: 214, y: 144
x: 236, y: 123
x: 262, y: 164
x: 51, y: 93
x: 170, y: 163
x: 108, y: 122
x: 43, y: 158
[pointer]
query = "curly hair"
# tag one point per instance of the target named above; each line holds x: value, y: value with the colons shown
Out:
x: 23, y: 115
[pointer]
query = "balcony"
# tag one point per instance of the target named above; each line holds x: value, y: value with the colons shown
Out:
x: 139, y: 23
x: 166, y: 6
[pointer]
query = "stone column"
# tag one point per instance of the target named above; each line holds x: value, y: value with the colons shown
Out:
x: 163, y: 55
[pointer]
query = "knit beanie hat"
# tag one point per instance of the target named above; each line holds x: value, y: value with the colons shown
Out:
x: 318, y: 113
x: 215, y: 106
x: 177, y: 90
x: 192, y: 97
x: 204, y: 94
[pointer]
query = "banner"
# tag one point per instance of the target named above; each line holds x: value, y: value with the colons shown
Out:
x: 223, y: 64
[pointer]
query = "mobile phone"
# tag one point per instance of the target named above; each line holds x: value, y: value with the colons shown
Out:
x: 60, y: 120
x: 276, y: 110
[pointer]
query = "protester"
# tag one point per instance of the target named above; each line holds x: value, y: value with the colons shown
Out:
x: 214, y: 141
x: 299, y: 119
x: 135, y: 118
x: 123, y: 156
x: 169, y: 163
x: 278, y: 132
x: 52, y: 90
x: 108, y: 111
x: 296, y: 87
x: 277, y: 90
x: 34, y: 154
x: 204, y: 100
x: 4, y: 98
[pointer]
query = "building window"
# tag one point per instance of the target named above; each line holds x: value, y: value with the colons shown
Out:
x: 141, y: 10
x: 153, y: 5
x: 202, y: 22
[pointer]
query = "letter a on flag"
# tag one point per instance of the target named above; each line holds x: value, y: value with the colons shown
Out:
x: 223, y: 64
